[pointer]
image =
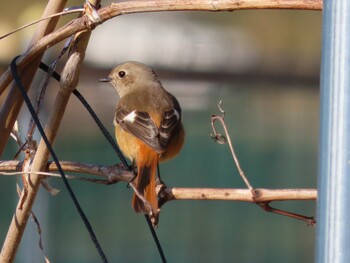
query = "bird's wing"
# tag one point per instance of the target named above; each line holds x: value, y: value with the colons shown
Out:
x: 168, y: 126
x: 141, y: 126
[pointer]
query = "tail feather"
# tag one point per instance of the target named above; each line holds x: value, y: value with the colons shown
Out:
x: 146, y: 185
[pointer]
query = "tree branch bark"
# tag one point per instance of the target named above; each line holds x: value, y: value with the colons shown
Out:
x: 69, y: 81
x: 243, y: 195
x: 8, y: 116
x: 130, y: 7
x: 29, y: 60
x: 11, y: 107
x: 114, y: 174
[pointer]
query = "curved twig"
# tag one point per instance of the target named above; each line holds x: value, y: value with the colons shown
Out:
x: 129, y: 7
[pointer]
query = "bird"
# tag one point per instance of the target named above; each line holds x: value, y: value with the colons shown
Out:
x: 148, y: 128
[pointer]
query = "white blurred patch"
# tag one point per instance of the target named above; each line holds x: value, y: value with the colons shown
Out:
x: 130, y: 117
x: 172, y: 41
x: 177, y: 114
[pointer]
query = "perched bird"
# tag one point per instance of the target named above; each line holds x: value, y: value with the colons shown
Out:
x: 148, y: 127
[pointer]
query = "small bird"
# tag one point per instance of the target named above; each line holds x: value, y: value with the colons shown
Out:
x: 148, y: 127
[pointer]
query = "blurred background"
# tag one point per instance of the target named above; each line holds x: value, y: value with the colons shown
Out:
x: 264, y: 66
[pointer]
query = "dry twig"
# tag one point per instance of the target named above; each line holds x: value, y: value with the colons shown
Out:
x: 29, y: 61
x: 8, y: 116
x: 129, y: 7
x: 114, y: 174
x: 68, y: 83
x: 217, y: 137
x: 264, y: 204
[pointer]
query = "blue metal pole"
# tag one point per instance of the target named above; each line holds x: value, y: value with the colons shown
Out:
x: 333, y: 210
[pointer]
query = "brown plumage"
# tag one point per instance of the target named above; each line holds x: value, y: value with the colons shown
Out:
x: 148, y: 126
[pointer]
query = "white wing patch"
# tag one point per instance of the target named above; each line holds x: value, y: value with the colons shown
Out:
x: 130, y: 117
x: 176, y: 114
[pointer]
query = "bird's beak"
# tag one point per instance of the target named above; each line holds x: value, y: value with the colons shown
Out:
x: 105, y: 80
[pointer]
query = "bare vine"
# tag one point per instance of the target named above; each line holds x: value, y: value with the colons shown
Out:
x: 36, y: 158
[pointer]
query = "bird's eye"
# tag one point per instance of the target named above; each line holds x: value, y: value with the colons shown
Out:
x: 121, y: 74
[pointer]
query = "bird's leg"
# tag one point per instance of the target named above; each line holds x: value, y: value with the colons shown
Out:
x: 159, y: 183
x: 150, y: 211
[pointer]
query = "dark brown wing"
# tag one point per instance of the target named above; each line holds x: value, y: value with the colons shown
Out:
x: 168, y: 126
x: 141, y: 126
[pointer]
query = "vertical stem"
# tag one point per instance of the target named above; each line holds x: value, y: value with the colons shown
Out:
x: 19, y: 220
x: 333, y: 228
x: 10, y: 110
x: 69, y: 81
x: 8, y: 115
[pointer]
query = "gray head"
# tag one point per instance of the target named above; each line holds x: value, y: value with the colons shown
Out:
x: 131, y: 75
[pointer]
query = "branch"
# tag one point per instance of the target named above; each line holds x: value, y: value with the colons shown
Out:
x: 8, y: 115
x: 229, y: 194
x: 130, y: 7
x: 261, y: 197
x: 217, y: 137
x: 111, y: 174
x: 256, y: 194
x: 115, y: 173
x: 13, y: 103
x: 69, y: 81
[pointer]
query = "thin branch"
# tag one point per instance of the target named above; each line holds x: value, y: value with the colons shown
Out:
x: 65, y: 12
x: 116, y: 173
x: 261, y: 197
x: 36, y: 221
x: 69, y: 81
x: 230, y: 194
x: 38, y: 229
x: 55, y: 191
x: 8, y: 116
x: 220, y: 139
x: 112, y: 174
x: 266, y: 207
x: 43, y: 87
x: 130, y: 7
x: 29, y: 61
x: 13, y: 103
x: 256, y: 193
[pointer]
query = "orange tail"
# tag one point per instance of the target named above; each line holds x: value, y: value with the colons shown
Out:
x: 146, y: 180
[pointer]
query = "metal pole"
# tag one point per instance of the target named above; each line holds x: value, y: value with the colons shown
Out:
x: 333, y: 228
